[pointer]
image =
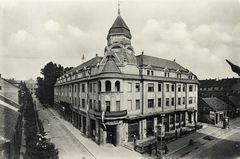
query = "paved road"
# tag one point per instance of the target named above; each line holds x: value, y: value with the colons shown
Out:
x: 69, y: 147
x: 225, y: 145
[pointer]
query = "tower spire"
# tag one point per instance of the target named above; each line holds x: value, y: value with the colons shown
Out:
x: 118, y: 7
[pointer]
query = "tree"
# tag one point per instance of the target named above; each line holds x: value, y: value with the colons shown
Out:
x: 45, y: 90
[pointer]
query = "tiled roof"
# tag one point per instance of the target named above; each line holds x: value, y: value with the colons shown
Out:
x: 92, y: 62
x: 216, y: 104
x: 110, y: 67
x: 119, y: 27
x: 144, y: 60
x: 8, y: 121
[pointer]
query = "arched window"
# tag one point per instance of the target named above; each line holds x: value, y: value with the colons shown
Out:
x: 107, y: 86
x: 117, y: 86
x: 99, y: 86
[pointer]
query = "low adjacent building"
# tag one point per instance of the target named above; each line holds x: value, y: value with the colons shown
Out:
x: 213, y: 110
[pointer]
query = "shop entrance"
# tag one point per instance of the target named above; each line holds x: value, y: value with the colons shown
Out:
x: 111, y: 134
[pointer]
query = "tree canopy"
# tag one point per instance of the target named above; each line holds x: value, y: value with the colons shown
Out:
x: 45, y: 90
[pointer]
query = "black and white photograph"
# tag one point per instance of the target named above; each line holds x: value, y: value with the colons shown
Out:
x: 119, y: 79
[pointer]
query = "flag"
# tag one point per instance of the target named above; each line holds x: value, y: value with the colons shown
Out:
x: 234, y: 68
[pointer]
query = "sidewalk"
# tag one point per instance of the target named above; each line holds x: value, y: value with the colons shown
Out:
x: 98, y: 152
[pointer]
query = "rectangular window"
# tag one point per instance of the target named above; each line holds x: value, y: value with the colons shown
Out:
x: 94, y: 104
x: 179, y: 88
x: 190, y: 100
x: 75, y: 101
x: 152, y: 73
x: 167, y: 101
x: 167, y: 87
x: 172, y: 101
x: 94, y: 87
x: 183, y: 100
x: 173, y: 87
x: 137, y: 87
x: 70, y: 89
x: 99, y: 104
x: 183, y: 89
x: 129, y: 87
x: 159, y: 87
x: 150, y: 103
x: 83, y: 103
x: 117, y: 105
x: 79, y: 88
x: 90, y: 87
x: 108, y: 106
x: 179, y: 101
x: 90, y: 103
x: 150, y: 87
x: 75, y: 90
x: 83, y: 87
x: 148, y: 72
x: 159, y: 102
x: 129, y: 103
x: 138, y: 104
x: 190, y: 88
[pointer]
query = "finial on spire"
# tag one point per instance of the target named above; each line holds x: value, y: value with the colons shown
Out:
x: 118, y: 7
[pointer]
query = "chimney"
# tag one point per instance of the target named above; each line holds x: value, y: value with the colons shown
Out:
x: 0, y: 75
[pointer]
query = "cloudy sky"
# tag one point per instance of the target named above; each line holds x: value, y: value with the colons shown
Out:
x: 198, y: 34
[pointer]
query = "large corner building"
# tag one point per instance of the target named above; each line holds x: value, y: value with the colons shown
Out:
x: 120, y: 95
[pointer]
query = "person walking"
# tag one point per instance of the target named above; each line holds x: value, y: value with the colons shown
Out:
x: 150, y: 149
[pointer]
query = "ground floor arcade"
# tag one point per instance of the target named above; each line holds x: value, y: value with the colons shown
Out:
x: 117, y: 130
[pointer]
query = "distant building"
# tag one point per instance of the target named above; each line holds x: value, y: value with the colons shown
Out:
x: 219, y: 87
x: 31, y: 85
x: 118, y: 96
x: 10, y: 121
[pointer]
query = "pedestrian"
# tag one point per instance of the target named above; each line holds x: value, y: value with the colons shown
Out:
x: 191, y: 142
x: 166, y: 149
x: 150, y: 149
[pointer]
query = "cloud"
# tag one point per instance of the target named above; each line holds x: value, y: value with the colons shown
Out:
x: 211, y: 35
x: 74, y: 31
x: 51, y: 25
